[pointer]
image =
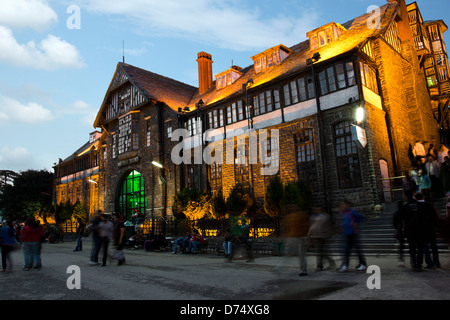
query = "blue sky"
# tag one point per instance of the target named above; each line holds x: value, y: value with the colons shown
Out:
x: 53, y: 77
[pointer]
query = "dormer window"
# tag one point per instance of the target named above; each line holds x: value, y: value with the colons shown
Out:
x: 324, y: 35
x: 271, y: 57
x: 228, y: 77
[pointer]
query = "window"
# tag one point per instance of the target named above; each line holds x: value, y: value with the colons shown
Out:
x: 128, y: 133
x: 132, y: 197
x: 298, y: 90
x: 269, y: 58
x: 338, y: 76
x: 347, y: 160
x: 148, y: 133
x: 235, y: 112
x: 194, y: 126
x: 215, y: 119
x: 266, y: 101
x: 215, y: 177
x: 241, y: 164
x: 368, y: 77
x: 306, y: 158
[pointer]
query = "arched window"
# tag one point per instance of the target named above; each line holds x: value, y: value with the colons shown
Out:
x: 306, y: 158
x: 347, y: 159
x: 132, y: 197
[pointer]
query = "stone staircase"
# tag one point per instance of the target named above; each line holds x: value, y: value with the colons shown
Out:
x: 377, y: 235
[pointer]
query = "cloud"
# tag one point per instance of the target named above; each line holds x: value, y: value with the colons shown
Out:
x: 52, y: 53
x: 226, y: 23
x: 17, y: 158
x: 35, y: 14
x: 13, y: 110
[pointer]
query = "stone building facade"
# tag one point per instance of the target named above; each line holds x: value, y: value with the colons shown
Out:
x: 293, y: 106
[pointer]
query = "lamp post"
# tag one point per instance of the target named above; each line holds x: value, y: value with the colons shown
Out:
x: 199, y: 125
x: 310, y: 61
x: 246, y: 86
x: 163, y: 178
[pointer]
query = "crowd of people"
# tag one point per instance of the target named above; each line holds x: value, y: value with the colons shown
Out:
x: 430, y: 173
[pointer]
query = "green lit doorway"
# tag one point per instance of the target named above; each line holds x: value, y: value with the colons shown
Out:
x: 132, y: 197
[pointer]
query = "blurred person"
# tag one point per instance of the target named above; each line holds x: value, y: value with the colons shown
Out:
x: 399, y: 234
x: 430, y: 221
x: 296, y: 239
x: 96, y: 240
x: 8, y: 244
x: 443, y: 152
x: 445, y: 176
x: 350, y: 221
x: 31, y: 236
x: 119, y: 239
x: 79, y: 233
x: 320, y: 232
x: 196, y: 241
x: 105, y: 232
x: 413, y: 223
x: 425, y: 185
x: 228, y: 244
x: 433, y: 171
x: 408, y: 182
x: 182, y: 242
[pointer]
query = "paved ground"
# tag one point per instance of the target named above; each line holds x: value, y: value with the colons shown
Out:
x: 202, y: 277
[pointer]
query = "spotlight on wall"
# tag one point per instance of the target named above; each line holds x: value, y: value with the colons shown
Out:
x: 360, y: 114
x: 157, y: 164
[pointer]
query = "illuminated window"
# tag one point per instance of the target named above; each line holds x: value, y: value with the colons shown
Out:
x: 368, y: 77
x: 266, y: 101
x: 271, y: 57
x: 215, y: 177
x: 306, y: 157
x: 132, y: 197
x: 347, y: 159
x: 241, y: 163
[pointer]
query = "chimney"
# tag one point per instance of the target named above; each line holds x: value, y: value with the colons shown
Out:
x: 205, y: 78
x: 404, y: 29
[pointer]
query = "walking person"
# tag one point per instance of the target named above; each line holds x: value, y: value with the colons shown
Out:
x: 412, y: 219
x: 105, y: 232
x: 320, y: 232
x: 433, y: 171
x: 119, y: 239
x: 445, y: 175
x: 31, y: 236
x: 399, y: 234
x: 96, y: 240
x: 296, y: 224
x: 8, y: 243
x: 429, y: 224
x: 79, y: 233
x: 350, y: 221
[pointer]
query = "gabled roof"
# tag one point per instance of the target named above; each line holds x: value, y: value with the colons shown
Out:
x: 176, y: 94
x: 155, y: 87
x: 355, y: 37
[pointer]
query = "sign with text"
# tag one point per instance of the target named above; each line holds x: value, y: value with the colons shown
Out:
x: 359, y: 136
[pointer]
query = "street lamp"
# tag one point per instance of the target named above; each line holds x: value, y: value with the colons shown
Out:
x: 246, y: 86
x: 360, y: 115
x: 310, y: 62
x: 163, y: 178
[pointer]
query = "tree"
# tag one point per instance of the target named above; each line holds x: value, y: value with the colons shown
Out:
x: 238, y: 200
x: 79, y: 212
x: 219, y: 204
x: 182, y: 199
x: 30, y: 191
x: 273, y: 196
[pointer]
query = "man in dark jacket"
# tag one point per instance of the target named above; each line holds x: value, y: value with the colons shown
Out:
x: 415, y: 217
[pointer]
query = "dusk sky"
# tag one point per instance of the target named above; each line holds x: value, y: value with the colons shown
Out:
x: 57, y: 58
